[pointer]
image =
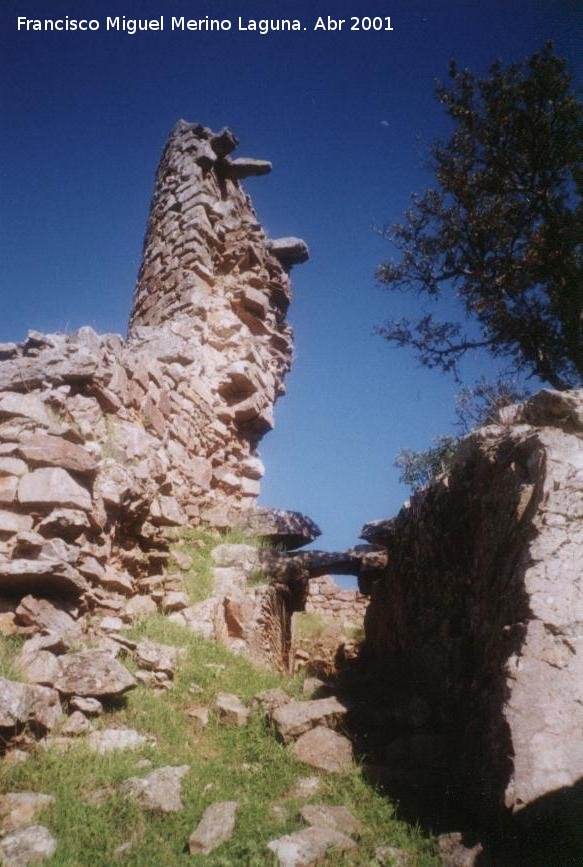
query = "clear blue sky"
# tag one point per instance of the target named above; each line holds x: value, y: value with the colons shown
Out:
x: 346, y: 118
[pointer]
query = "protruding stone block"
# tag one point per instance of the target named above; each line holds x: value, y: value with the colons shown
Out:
x: 289, y: 251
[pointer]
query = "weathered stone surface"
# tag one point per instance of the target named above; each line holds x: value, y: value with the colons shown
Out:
x: 76, y: 725
x: 488, y: 558
x: 245, y: 167
x: 227, y: 581
x: 109, y: 740
x: 46, y: 576
x: 12, y: 522
x: 12, y: 467
x: 28, y: 406
x: 200, y: 618
x: 167, y: 512
x: 244, y: 557
x: 454, y: 852
x: 224, y: 142
x: 19, y: 809
x: 175, y: 600
x: 309, y: 846
x: 140, y: 606
x: 215, y: 827
x: 158, y: 791
x: 87, y: 706
x: 269, y: 700
x: 21, y: 703
x: 183, y: 560
x: 50, y: 616
x: 30, y: 845
x: 51, y: 451
x: 296, y: 717
x: 325, y: 749
x: 199, y: 714
x: 41, y: 667
x: 289, y: 251
x: 53, y: 486
x: 65, y: 523
x: 280, y: 528
x: 157, y: 657
x: 328, y: 816
x: 93, y: 673
x: 230, y: 709
x: 378, y: 532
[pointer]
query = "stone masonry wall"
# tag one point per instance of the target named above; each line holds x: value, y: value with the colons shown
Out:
x: 480, y: 612
x: 328, y: 600
x: 105, y: 442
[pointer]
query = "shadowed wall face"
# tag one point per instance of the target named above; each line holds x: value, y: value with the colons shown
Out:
x: 480, y: 610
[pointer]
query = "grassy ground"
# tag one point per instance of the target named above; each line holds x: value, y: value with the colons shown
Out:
x: 199, y: 544
x: 245, y: 764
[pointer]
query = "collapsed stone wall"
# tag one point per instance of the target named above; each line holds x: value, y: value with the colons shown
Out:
x: 480, y: 610
x: 105, y: 442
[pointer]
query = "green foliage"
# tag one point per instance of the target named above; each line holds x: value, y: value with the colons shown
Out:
x: 418, y: 469
x: 478, y: 405
x: 10, y: 647
x: 198, y: 543
x: 503, y: 229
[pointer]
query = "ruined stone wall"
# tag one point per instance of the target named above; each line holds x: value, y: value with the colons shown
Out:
x: 104, y: 442
x: 328, y: 600
x: 480, y: 612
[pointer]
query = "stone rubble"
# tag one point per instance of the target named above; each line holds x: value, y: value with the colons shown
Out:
x: 111, y: 739
x: 309, y: 846
x: 30, y: 845
x: 324, y: 749
x: 215, y: 827
x: 19, y: 809
x: 296, y: 717
x: 159, y: 791
x: 230, y: 709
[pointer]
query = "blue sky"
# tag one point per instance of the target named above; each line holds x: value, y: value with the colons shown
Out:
x: 346, y: 118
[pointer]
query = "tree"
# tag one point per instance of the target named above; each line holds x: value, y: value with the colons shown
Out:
x: 476, y: 405
x: 503, y: 230
x: 420, y: 468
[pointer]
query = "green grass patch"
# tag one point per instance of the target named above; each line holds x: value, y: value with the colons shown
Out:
x: 245, y: 764
x: 308, y: 624
x: 198, y: 544
x: 10, y: 647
